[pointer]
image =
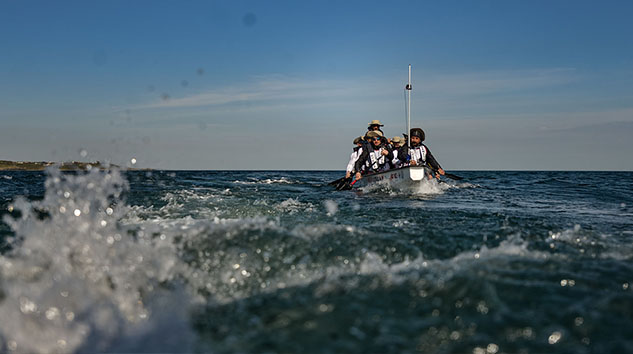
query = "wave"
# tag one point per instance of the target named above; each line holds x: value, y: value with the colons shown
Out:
x: 92, y: 273
x: 281, y: 180
x: 76, y: 277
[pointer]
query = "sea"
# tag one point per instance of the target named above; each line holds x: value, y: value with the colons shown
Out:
x: 280, y: 262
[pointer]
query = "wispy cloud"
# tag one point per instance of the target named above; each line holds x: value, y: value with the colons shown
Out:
x: 277, y: 91
x: 262, y: 91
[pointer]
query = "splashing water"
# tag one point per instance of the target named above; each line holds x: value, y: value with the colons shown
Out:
x: 74, y: 275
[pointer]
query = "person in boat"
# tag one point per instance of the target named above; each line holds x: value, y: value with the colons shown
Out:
x: 377, y: 156
x: 420, y: 154
x: 358, y: 149
x: 397, y: 145
x: 375, y: 125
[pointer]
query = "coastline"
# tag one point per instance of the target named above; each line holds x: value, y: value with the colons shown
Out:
x: 6, y: 165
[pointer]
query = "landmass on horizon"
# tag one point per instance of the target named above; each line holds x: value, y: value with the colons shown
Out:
x: 6, y: 165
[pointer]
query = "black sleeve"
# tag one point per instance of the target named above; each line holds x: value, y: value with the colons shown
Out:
x: 403, y: 153
x: 431, y: 161
x: 390, y: 151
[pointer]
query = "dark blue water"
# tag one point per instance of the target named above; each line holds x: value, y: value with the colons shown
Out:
x: 280, y: 262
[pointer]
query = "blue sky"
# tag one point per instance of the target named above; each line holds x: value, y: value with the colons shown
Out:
x: 527, y: 85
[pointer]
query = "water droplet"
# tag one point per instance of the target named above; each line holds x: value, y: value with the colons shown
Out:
x: 133, y: 161
x: 52, y: 313
x: 249, y: 19
x: 109, y: 211
x: 26, y: 305
x: 554, y: 337
x: 492, y: 348
x: 236, y: 266
x: 62, y: 209
x: 83, y: 153
x: 104, y: 223
x: 12, y: 345
x: 578, y: 321
x: 77, y: 212
x: 66, y: 194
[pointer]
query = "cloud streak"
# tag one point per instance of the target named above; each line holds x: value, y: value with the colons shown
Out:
x: 259, y: 91
x: 282, y: 92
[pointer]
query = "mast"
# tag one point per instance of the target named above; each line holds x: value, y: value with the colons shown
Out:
x: 408, y: 88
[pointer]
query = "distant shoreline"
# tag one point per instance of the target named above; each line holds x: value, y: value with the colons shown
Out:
x: 63, y: 166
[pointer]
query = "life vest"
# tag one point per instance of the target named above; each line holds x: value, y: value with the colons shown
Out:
x: 376, y: 160
x: 396, y: 161
x: 418, y: 154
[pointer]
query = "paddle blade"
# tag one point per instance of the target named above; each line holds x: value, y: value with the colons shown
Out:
x: 453, y: 177
x: 336, y: 182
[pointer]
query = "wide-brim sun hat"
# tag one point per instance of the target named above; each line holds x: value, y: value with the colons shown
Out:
x: 373, y: 134
x: 375, y: 122
x: 397, y: 140
x: 358, y: 140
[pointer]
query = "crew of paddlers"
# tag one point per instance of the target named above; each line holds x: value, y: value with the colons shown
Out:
x: 375, y: 153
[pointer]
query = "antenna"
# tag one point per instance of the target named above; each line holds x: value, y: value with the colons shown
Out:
x: 408, y: 88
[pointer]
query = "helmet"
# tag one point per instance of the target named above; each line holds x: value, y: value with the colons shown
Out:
x: 418, y: 132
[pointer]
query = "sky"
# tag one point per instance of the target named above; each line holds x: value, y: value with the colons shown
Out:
x: 288, y: 85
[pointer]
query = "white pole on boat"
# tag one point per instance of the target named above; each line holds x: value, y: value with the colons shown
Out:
x: 409, y: 110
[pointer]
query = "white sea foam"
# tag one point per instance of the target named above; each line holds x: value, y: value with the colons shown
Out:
x: 7, y: 177
x: 293, y: 205
x: 76, y: 278
x: 422, y: 188
x: 282, y: 180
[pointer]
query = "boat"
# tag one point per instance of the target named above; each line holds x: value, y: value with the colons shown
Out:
x: 403, y: 177
x: 399, y: 178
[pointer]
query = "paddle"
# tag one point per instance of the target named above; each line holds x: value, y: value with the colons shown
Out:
x: 452, y: 176
x: 342, y: 184
x: 336, y: 182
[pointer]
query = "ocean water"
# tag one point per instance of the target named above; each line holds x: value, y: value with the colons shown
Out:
x: 279, y: 262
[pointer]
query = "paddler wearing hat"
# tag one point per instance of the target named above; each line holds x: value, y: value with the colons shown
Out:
x: 420, y: 155
x: 397, y: 143
x: 376, y: 157
x: 375, y: 125
x: 358, y: 149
